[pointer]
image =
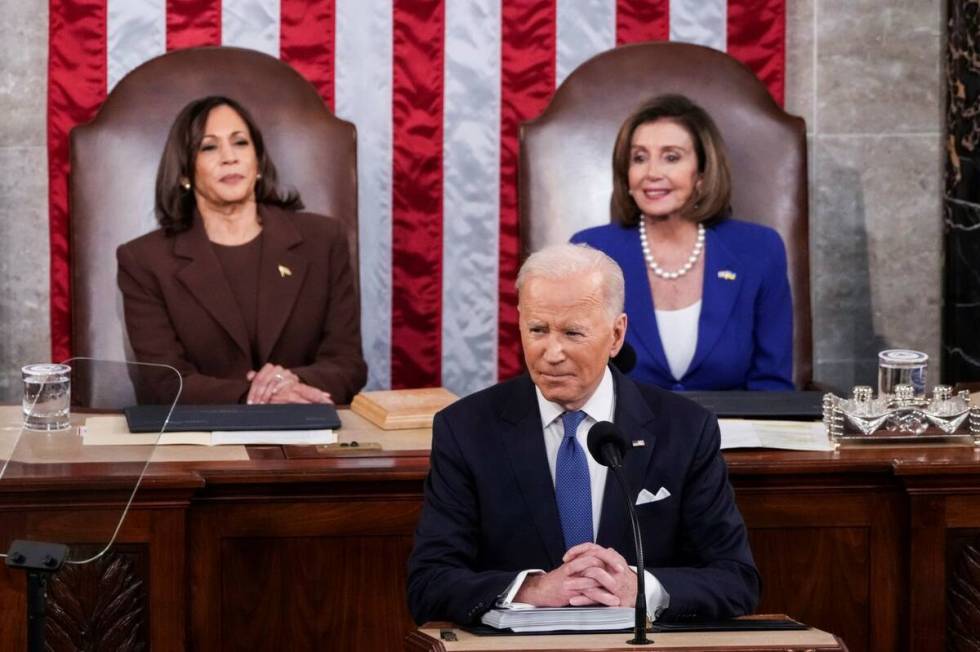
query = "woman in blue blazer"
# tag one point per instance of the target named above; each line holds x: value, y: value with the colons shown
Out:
x: 707, y: 296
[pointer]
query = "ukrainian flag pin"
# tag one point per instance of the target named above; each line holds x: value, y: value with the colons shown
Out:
x: 726, y: 274
x: 285, y: 271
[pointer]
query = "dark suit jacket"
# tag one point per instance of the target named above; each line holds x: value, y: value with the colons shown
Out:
x: 490, y: 508
x: 745, y: 331
x: 180, y: 310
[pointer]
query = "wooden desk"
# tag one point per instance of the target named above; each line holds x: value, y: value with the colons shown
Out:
x: 303, y: 549
x: 428, y: 639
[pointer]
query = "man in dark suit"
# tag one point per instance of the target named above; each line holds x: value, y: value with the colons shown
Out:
x: 517, y: 510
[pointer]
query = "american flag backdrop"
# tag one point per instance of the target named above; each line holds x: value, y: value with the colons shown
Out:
x: 437, y: 89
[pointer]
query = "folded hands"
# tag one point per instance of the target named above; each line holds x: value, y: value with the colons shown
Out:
x: 276, y: 384
x: 589, y: 575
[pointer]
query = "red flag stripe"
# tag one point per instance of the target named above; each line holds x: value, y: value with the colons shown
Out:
x: 642, y: 20
x: 192, y: 23
x: 306, y: 42
x: 77, y: 71
x: 757, y: 38
x: 527, y: 79
x: 417, y: 135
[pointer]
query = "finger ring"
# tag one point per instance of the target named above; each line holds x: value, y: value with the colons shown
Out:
x: 278, y: 377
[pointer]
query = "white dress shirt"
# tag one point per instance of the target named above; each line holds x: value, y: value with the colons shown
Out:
x: 601, y: 406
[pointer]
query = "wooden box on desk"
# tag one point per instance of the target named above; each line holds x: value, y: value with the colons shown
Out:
x: 398, y: 409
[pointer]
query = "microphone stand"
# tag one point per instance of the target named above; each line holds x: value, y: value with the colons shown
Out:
x: 640, y: 622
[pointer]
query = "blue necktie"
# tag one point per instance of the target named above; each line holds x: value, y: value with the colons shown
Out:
x: 572, y: 487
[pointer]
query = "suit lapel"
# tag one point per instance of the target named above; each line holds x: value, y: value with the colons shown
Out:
x: 639, y: 305
x: 524, y: 442
x: 206, y: 282
x: 281, y: 277
x: 633, y: 417
x: 722, y: 283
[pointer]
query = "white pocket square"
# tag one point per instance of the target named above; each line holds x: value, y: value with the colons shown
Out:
x: 646, y: 497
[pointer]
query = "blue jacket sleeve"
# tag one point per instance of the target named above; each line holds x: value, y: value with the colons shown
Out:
x: 772, y: 358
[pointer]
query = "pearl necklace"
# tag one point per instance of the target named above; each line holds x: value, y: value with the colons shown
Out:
x: 657, y: 269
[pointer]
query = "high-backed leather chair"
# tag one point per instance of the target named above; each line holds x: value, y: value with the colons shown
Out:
x: 565, y: 173
x: 114, y: 162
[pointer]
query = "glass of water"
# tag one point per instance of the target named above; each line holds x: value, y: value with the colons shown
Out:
x: 902, y: 367
x: 47, y: 396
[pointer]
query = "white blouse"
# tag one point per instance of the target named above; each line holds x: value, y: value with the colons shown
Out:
x: 679, y: 336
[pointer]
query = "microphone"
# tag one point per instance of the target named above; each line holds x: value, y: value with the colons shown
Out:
x: 625, y: 360
x: 608, y: 446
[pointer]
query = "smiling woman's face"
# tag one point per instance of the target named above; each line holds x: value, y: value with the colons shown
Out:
x: 663, y: 172
x: 225, y: 165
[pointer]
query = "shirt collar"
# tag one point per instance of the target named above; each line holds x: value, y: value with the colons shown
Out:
x: 599, y: 407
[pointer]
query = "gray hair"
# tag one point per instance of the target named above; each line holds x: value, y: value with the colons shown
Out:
x: 558, y: 262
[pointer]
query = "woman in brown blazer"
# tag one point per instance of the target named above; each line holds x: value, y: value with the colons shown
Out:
x: 250, y: 299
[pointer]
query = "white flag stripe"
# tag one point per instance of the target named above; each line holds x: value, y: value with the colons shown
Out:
x: 585, y: 28
x: 136, y: 31
x: 704, y: 22
x: 251, y: 24
x: 363, y: 88
x: 471, y: 194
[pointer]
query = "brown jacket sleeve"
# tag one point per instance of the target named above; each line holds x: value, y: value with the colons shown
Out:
x: 338, y: 366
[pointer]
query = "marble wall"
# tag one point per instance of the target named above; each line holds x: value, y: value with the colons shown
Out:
x: 865, y: 74
x: 24, y: 327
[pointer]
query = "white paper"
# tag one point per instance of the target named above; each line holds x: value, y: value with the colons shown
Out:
x: 787, y: 435
x: 281, y: 437
x: 112, y: 431
x: 525, y: 618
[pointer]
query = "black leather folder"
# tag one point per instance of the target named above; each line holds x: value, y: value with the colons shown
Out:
x: 804, y: 406
x: 187, y: 418
x: 733, y: 625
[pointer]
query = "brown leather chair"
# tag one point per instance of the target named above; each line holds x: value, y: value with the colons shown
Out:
x: 114, y: 161
x: 565, y: 173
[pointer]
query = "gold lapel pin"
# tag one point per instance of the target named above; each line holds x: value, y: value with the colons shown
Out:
x: 285, y: 271
x: 726, y: 275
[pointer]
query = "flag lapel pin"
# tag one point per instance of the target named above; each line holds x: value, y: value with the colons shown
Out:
x: 726, y: 275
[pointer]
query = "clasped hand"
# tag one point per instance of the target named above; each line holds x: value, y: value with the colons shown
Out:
x: 276, y: 384
x: 589, y: 574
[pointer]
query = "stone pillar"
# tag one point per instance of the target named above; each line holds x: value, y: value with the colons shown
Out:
x: 961, y: 205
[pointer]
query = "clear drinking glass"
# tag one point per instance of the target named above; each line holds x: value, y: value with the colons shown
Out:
x: 47, y: 396
x: 901, y: 367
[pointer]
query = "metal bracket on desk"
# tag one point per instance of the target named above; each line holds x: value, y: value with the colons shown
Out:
x: 349, y: 448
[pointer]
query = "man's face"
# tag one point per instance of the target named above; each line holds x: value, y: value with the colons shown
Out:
x: 568, y: 336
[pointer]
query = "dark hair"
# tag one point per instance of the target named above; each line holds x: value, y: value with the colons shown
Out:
x: 175, y: 206
x: 714, y: 198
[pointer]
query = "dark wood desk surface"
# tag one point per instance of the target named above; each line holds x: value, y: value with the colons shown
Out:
x: 300, y: 548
